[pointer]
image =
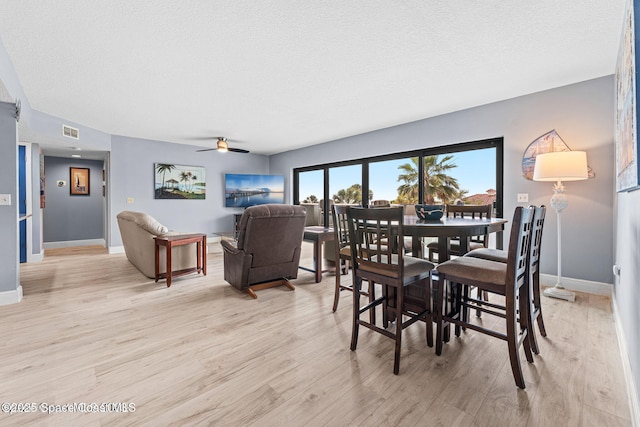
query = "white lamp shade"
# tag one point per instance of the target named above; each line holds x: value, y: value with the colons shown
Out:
x: 561, y: 166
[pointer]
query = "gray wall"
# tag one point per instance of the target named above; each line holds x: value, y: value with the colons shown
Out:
x: 9, y: 272
x: 580, y: 113
x: 68, y: 217
x: 627, y: 257
x: 132, y: 176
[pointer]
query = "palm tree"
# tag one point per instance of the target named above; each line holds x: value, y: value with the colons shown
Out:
x: 163, y: 168
x: 437, y: 184
x: 311, y: 199
x: 185, y: 177
x: 351, y: 195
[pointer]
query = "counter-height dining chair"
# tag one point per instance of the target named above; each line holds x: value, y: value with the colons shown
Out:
x: 506, y: 279
x: 388, y: 266
x: 500, y: 255
x: 464, y: 211
x: 342, y: 247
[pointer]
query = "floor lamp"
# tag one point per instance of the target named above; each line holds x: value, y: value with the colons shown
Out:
x: 560, y: 166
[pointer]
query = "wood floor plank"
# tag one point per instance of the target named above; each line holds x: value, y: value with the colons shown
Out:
x: 92, y: 328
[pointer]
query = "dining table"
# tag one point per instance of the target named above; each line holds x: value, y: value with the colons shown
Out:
x: 446, y: 228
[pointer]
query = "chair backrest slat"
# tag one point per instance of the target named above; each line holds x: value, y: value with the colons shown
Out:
x: 376, y: 237
x: 471, y: 211
x: 536, y: 238
x: 517, y: 259
x: 340, y: 227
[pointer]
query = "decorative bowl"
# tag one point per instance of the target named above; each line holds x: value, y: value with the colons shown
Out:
x: 429, y: 212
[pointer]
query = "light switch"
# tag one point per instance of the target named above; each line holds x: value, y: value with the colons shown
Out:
x: 129, y: 200
x: 5, y: 199
x: 523, y: 197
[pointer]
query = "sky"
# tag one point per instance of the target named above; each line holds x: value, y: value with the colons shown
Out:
x: 383, y: 176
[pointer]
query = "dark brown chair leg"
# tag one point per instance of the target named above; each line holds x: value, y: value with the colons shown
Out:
x: 459, y: 311
x: 439, y: 304
x: 357, y: 283
x: 429, y: 317
x: 536, y: 304
x: 512, y: 343
x: 336, y: 296
x: 526, y: 323
x: 398, y: 314
x: 372, y: 297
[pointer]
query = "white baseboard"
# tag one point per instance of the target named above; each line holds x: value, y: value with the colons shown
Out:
x: 213, y: 245
x: 597, y: 288
x: 11, y: 297
x: 116, y: 250
x: 632, y: 394
x: 70, y: 243
x: 35, y: 257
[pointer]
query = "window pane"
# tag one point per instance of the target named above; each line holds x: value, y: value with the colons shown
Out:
x: 394, y: 180
x: 345, y: 184
x: 310, y: 186
x: 467, y: 177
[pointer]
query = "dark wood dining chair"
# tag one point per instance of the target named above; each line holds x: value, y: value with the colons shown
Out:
x: 500, y: 255
x: 388, y: 266
x: 506, y: 279
x: 464, y: 211
x: 343, y: 257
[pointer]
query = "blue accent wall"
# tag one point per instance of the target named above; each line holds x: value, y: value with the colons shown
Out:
x: 22, y: 200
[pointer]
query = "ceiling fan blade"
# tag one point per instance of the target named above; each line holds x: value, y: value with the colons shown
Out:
x: 238, y: 150
x: 207, y: 149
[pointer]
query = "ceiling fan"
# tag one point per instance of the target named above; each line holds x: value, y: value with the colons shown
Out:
x: 223, y: 147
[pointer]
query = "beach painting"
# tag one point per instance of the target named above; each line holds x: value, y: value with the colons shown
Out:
x: 179, y: 182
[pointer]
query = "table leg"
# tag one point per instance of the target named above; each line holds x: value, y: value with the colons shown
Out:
x: 198, y: 258
x: 443, y: 249
x: 464, y: 245
x: 317, y: 260
x: 416, y: 246
x: 157, y: 261
x: 169, y: 264
x: 203, y: 251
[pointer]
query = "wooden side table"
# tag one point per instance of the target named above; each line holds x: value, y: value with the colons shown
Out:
x: 185, y: 239
x: 318, y: 235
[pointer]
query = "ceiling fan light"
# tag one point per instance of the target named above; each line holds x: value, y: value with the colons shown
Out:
x: 222, y: 146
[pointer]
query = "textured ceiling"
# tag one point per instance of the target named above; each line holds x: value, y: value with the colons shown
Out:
x: 277, y: 75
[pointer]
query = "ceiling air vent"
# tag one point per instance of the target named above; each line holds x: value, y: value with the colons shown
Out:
x: 70, y: 132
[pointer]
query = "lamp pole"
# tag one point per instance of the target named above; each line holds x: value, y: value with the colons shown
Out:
x: 559, y: 202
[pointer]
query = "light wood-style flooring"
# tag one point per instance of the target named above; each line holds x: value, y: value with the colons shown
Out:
x: 92, y: 329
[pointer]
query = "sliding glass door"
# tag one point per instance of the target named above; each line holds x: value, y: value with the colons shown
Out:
x: 468, y: 173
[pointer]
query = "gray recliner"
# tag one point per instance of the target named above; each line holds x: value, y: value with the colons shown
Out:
x: 267, y: 252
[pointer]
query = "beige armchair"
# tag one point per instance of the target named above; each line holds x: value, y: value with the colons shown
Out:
x: 267, y: 252
x: 137, y: 230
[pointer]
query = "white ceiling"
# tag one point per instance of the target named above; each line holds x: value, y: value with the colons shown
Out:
x: 281, y: 74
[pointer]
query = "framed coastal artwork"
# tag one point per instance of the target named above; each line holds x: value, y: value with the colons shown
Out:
x: 626, y: 132
x: 79, y: 179
x: 547, y: 143
x: 179, y: 182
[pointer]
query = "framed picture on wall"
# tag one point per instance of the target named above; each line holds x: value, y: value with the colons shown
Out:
x: 79, y: 179
x: 626, y: 132
x: 179, y: 182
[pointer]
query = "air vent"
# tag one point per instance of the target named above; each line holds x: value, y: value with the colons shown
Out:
x: 70, y: 132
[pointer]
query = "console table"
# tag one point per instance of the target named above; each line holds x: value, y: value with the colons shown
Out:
x: 185, y: 239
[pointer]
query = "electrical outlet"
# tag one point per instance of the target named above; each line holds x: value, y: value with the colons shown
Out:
x: 5, y: 199
x: 129, y: 200
x: 523, y: 197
